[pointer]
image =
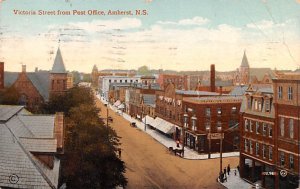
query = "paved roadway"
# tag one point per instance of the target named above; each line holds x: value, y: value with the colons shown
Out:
x: 150, y: 165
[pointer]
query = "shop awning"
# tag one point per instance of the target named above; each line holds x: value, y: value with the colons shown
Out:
x: 121, y: 106
x: 117, y: 103
x: 149, y: 120
x: 164, y: 126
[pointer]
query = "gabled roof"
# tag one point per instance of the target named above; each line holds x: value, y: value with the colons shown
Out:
x: 20, y: 135
x: 239, y: 90
x: 245, y: 61
x: 58, y: 66
x: 41, y: 81
x: 10, y: 78
x: 259, y: 73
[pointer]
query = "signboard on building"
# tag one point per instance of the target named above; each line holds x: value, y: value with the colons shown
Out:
x: 215, y: 136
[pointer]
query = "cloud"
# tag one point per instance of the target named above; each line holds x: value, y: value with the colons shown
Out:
x: 264, y: 24
x: 197, y: 21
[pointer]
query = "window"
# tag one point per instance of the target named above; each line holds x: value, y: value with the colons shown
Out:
x: 270, y: 153
x: 131, y: 81
x: 291, y: 128
x: 207, y: 125
x: 219, y: 126
x: 233, y: 110
x: 259, y: 105
x: 219, y: 111
x: 121, y: 81
x: 249, y: 102
x: 207, y: 111
x: 257, y: 149
x: 282, y: 126
x: 109, y: 81
x: 246, y: 125
x: 290, y: 93
x: 255, y: 105
x: 115, y: 81
x: 257, y: 127
x: 267, y: 106
x: 264, y: 151
x: 264, y: 129
x: 246, y: 145
x: 270, y: 131
x: 280, y: 92
x: 251, y: 124
x: 251, y: 147
x: 282, y: 159
x: 125, y: 80
x: 291, y: 161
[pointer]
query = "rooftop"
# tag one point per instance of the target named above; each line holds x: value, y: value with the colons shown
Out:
x: 214, y: 99
x: 199, y: 93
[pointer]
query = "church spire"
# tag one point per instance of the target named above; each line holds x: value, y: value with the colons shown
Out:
x: 58, y: 66
x: 245, y: 60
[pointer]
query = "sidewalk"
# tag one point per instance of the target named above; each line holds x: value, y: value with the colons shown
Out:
x: 235, y: 182
x: 168, y: 142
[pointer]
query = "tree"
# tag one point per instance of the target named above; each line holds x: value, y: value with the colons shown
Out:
x: 144, y: 70
x: 90, y: 159
x: 10, y: 96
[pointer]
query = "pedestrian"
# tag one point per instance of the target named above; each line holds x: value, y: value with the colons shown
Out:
x: 221, y: 176
x: 234, y: 172
x: 120, y: 151
x: 177, y: 143
x: 238, y: 168
x: 228, y: 169
x: 225, y: 178
x: 225, y: 170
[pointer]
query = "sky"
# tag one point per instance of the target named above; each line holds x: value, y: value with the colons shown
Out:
x: 174, y: 34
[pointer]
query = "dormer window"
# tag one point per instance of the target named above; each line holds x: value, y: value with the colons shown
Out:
x: 267, y: 105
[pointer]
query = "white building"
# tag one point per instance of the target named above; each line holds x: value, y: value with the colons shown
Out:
x: 105, y: 81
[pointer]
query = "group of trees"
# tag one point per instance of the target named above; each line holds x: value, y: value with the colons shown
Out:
x: 9, y: 96
x: 90, y: 159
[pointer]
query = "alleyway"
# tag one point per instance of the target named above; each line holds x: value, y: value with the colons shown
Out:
x: 150, y: 165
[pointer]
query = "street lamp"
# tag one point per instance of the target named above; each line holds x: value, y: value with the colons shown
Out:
x: 185, y: 120
x: 221, y: 148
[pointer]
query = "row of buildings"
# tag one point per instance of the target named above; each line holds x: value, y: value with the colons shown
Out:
x: 258, y: 113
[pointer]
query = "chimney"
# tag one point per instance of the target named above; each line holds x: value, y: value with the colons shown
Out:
x: 212, y: 78
x: 1, y: 75
x: 24, y: 68
x: 59, y: 131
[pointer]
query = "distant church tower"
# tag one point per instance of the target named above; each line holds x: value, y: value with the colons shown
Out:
x: 95, y: 76
x: 244, y: 71
x: 58, y: 76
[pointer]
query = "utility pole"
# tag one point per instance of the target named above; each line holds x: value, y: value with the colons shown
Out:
x: 209, y: 144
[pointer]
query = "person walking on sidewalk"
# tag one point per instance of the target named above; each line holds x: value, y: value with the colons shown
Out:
x: 228, y: 169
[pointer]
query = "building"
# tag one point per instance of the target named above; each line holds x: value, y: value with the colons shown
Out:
x: 246, y: 75
x: 94, y: 76
x: 36, y: 87
x: 31, y: 147
x: 258, y: 136
x: 180, y: 81
x: 211, y: 114
x: 270, y: 133
x: 58, y: 76
x: 287, y: 117
x: 169, y: 108
x: 105, y: 81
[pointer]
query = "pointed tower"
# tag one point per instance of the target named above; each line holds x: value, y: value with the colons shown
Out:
x: 58, y: 76
x: 244, y: 71
x: 95, y: 76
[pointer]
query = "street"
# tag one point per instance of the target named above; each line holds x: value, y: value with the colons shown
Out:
x: 150, y: 165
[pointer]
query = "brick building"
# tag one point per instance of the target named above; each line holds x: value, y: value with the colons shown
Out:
x: 180, y: 81
x: 212, y: 114
x: 287, y: 113
x: 36, y: 87
x: 270, y: 134
x: 169, y: 106
x: 258, y: 136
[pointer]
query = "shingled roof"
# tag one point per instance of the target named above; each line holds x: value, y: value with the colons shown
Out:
x: 58, y: 66
x: 19, y: 137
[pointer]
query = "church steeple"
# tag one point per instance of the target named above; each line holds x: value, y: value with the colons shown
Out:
x: 58, y: 66
x: 245, y: 60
